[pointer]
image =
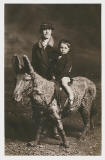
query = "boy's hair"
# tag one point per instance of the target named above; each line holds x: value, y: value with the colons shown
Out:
x: 67, y: 42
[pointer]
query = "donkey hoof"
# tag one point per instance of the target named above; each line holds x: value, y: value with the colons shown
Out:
x: 64, y: 145
x: 31, y: 144
x: 56, y: 137
x: 82, y: 138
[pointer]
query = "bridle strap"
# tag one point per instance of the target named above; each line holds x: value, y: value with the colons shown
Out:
x: 26, y: 90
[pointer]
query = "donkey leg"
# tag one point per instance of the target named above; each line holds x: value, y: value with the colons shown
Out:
x: 37, y: 137
x: 39, y: 131
x: 37, y: 119
x: 92, y: 114
x: 61, y: 133
x: 91, y: 123
x: 85, y: 114
x: 58, y: 123
x: 56, y: 135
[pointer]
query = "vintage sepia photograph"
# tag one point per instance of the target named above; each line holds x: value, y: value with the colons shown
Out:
x: 52, y: 67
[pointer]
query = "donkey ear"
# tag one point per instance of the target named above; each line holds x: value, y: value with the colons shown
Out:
x: 16, y: 64
x: 27, y: 65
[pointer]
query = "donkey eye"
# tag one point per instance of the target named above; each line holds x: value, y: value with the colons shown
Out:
x: 26, y: 79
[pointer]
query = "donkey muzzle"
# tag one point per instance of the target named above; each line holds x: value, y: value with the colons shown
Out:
x: 17, y: 97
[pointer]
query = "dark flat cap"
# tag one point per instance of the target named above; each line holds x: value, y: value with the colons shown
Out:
x: 46, y: 26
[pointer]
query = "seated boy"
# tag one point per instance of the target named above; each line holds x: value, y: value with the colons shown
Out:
x: 63, y: 67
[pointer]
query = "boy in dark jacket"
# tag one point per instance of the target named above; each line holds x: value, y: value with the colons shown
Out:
x: 64, y: 66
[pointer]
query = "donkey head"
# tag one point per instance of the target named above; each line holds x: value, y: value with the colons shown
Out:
x: 24, y: 79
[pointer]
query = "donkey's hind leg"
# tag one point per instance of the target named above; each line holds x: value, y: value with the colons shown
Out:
x: 92, y: 114
x: 85, y: 114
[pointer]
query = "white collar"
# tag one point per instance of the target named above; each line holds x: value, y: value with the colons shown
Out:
x: 45, y: 43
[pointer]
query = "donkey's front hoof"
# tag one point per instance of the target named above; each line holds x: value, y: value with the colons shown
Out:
x: 64, y: 145
x: 83, y: 137
x: 56, y: 136
x: 31, y: 144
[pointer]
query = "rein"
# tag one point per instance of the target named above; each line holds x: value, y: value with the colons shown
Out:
x: 33, y: 88
x: 27, y: 90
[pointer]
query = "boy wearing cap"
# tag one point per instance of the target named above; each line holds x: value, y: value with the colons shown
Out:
x: 44, y: 56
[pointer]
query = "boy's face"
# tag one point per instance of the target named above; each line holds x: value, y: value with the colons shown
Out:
x: 64, y: 49
x: 46, y: 33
